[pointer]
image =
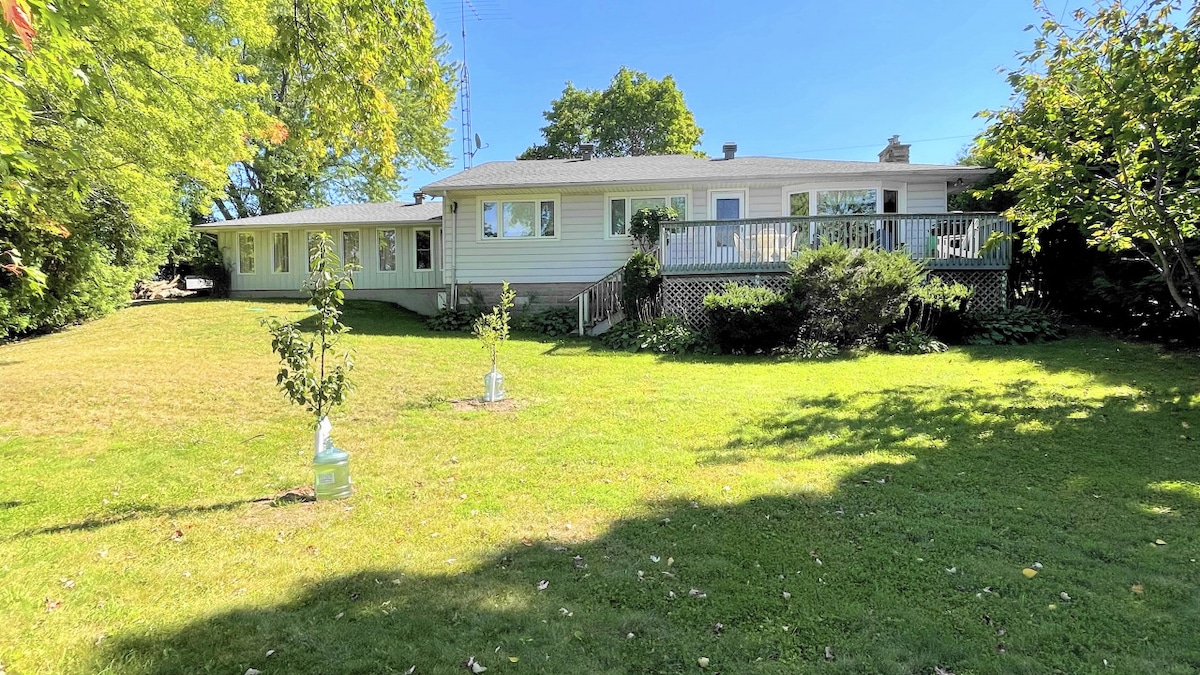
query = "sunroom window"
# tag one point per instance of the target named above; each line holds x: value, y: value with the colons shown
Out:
x: 622, y: 209
x: 519, y: 219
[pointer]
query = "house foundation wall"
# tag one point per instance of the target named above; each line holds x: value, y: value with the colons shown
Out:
x: 533, y: 296
x: 420, y: 300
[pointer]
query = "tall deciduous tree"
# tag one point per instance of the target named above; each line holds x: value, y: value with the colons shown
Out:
x: 1105, y: 131
x: 116, y: 118
x: 635, y: 115
x: 361, y: 90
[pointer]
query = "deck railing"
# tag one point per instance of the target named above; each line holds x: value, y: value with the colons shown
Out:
x: 941, y: 241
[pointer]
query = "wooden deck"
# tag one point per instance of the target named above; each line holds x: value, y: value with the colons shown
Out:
x: 943, y: 241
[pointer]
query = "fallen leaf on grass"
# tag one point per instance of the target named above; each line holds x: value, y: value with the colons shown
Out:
x: 52, y: 605
x: 253, y: 671
x: 787, y: 596
x: 513, y: 659
x: 1159, y: 542
x: 1064, y: 596
x: 1029, y: 572
x: 697, y: 593
x: 702, y: 661
x: 829, y: 653
x: 1137, y: 589
x: 411, y: 670
x: 543, y: 585
x: 474, y: 666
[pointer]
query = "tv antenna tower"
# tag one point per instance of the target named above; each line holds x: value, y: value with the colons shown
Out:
x: 479, y: 10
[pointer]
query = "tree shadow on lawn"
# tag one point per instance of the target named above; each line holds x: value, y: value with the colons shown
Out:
x: 123, y: 514
x: 911, y: 563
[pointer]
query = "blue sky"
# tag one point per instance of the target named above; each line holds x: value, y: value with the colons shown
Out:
x: 831, y: 79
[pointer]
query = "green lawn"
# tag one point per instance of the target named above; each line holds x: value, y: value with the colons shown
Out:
x: 749, y: 511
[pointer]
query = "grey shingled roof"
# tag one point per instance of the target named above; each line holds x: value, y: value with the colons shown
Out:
x: 343, y: 214
x: 671, y: 169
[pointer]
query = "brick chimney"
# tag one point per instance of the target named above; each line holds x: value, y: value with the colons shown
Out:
x: 418, y: 197
x: 895, y: 152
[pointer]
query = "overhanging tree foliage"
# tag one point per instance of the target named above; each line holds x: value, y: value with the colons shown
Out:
x: 635, y: 115
x: 361, y: 92
x: 120, y: 120
x: 1105, y: 131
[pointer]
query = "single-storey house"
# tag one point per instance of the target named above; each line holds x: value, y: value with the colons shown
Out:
x: 557, y: 230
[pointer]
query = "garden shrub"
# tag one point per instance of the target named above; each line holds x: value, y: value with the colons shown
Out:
x: 553, y: 322
x: 665, y: 335
x: 938, y: 309
x: 811, y: 350
x: 457, y: 320
x: 849, y: 297
x: 913, y: 340
x: 669, y: 335
x: 749, y: 319
x: 645, y: 225
x: 641, y: 281
x: 625, y: 336
x: 1012, y: 326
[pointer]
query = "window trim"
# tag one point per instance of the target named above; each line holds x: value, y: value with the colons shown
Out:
x: 536, y: 199
x: 288, y: 248
x: 253, y: 253
x: 396, y: 255
x: 432, y: 256
x: 628, y: 196
x: 342, y: 247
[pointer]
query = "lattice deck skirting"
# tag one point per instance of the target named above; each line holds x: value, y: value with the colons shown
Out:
x: 683, y: 296
x: 991, y: 286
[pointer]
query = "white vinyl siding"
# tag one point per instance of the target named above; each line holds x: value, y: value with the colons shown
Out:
x: 926, y: 198
x: 579, y: 252
x: 369, y: 277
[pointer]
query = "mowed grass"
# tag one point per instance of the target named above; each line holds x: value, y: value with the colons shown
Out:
x: 752, y: 512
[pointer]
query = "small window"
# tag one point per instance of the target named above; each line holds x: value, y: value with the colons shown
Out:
x: 680, y: 206
x: 798, y: 204
x: 351, y: 251
x: 617, y: 224
x: 518, y: 219
x: 547, y: 219
x: 424, y: 249
x: 891, y: 201
x: 387, y: 250
x: 490, y: 229
x: 245, y: 253
x: 281, y: 260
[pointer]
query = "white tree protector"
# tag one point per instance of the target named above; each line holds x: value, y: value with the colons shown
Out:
x: 324, y: 428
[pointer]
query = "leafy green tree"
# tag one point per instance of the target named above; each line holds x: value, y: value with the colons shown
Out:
x: 360, y: 91
x: 492, y: 328
x: 1104, y: 131
x: 635, y: 115
x: 119, y: 118
x: 310, y: 374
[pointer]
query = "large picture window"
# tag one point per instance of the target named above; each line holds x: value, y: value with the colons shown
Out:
x: 280, y: 257
x: 387, y: 250
x: 424, y: 249
x: 245, y: 253
x: 518, y: 219
x: 622, y: 208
